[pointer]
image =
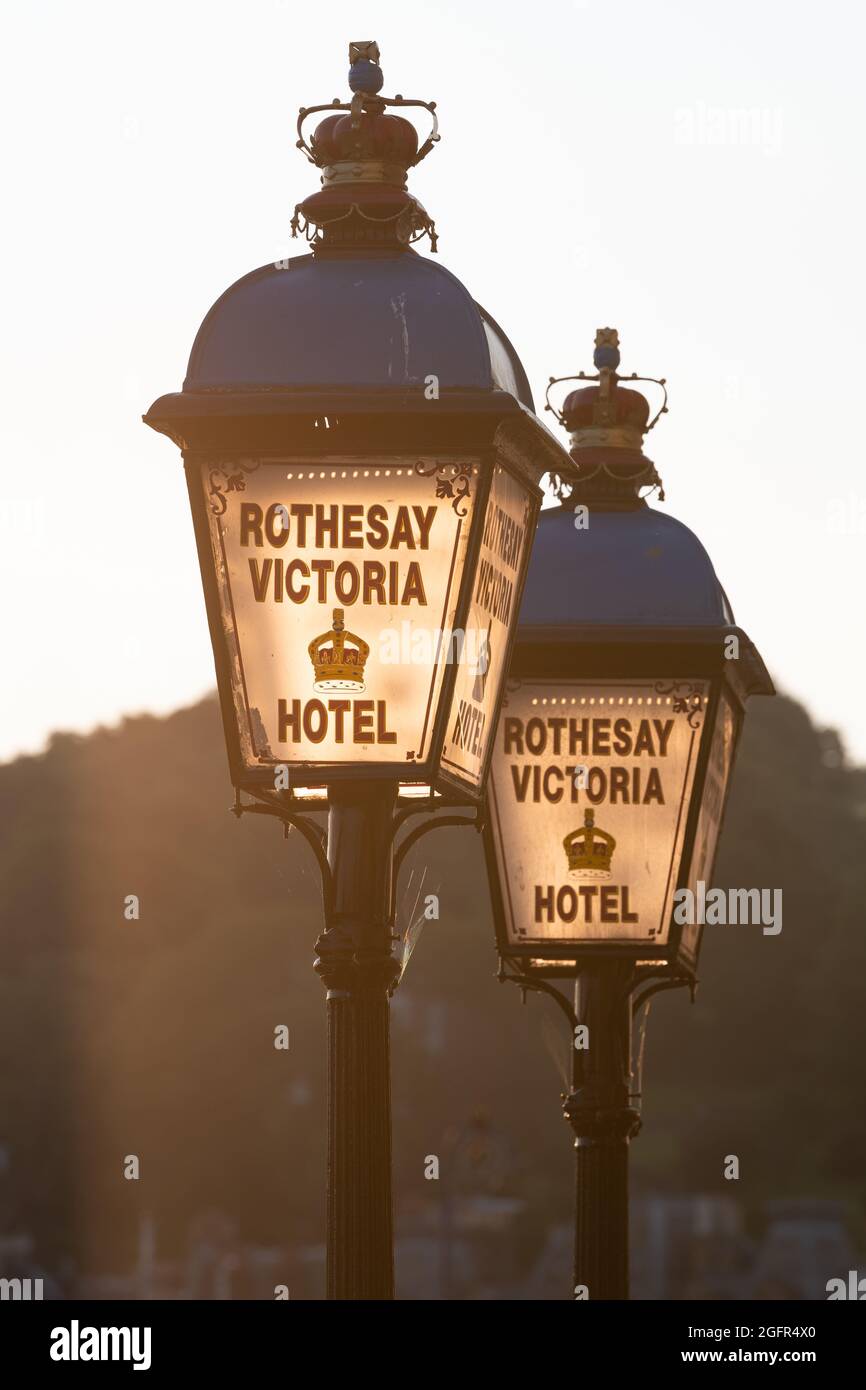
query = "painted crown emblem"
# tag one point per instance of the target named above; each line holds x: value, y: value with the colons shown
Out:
x: 338, y: 658
x: 589, y: 850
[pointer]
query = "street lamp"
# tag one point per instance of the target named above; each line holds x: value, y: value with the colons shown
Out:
x: 363, y: 465
x: 610, y: 773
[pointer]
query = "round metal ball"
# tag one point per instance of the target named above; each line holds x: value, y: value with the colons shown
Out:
x: 365, y: 76
x: 606, y: 357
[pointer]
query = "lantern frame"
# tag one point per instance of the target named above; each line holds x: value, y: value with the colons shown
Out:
x: 490, y: 428
x: 674, y: 655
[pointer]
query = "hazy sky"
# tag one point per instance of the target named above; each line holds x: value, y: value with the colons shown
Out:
x: 691, y: 173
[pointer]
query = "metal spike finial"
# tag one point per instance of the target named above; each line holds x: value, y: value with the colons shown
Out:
x: 606, y: 348
x: 365, y: 75
x: 364, y: 48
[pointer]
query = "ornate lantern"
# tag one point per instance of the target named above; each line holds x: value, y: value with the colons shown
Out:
x: 363, y: 465
x: 623, y: 708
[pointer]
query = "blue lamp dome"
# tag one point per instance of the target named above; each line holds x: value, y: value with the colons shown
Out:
x: 352, y: 321
x: 635, y: 568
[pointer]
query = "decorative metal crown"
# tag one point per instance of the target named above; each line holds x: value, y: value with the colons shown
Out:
x: 364, y: 156
x: 589, y: 850
x: 607, y: 422
x: 607, y: 426
x: 366, y: 81
x: 338, y: 658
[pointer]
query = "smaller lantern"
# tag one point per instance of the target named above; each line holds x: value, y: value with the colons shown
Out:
x: 620, y: 722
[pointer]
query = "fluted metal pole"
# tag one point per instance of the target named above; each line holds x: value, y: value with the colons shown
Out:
x: 604, y: 1120
x: 358, y: 970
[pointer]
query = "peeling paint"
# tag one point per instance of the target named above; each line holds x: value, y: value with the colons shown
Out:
x: 401, y: 340
x: 260, y: 735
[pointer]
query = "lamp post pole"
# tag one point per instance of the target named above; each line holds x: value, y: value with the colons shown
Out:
x: 604, y: 1121
x: 358, y: 970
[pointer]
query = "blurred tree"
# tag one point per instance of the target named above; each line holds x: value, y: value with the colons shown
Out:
x: 155, y: 1036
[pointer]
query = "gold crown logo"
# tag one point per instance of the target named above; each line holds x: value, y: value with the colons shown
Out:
x: 338, y: 658
x: 589, y: 850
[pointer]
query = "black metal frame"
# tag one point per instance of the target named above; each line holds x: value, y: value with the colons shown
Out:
x: 297, y: 815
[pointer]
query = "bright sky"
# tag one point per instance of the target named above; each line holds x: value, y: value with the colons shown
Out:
x: 688, y: 172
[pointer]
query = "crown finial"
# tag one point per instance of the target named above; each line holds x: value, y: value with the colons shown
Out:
x: 607, y: 422
x: 606, y: 348
x: 364, y: 152
x: 365, y: 75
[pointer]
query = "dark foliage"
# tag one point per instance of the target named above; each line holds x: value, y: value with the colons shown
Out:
x: 155, y: 1037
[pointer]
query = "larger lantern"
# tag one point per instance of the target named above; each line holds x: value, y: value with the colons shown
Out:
x: 363, y: 465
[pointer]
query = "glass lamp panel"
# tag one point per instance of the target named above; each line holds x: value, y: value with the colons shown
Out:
x: 336, y: 581
x: 589, y: 792
x: 509, y: 524
x: 714, y: 796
